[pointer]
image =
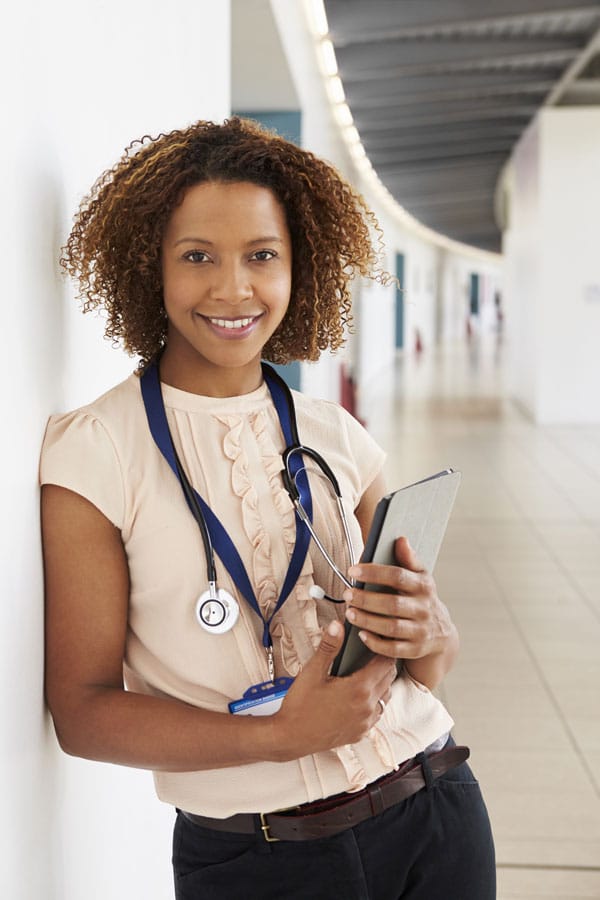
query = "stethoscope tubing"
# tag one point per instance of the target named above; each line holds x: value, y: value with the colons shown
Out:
x: 333, y: 565
x: 209, y: 552
x: 288, y: 478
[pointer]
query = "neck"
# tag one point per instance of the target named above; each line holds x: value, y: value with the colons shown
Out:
x: 209, y: 380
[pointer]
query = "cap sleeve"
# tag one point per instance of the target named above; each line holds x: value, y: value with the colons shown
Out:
x: 364, y: 450
x: 78, y: 454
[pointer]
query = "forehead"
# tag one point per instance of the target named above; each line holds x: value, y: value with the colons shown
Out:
x: 228, y: 207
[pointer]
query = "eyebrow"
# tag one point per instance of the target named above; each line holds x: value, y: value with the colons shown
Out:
x: 268, y: 239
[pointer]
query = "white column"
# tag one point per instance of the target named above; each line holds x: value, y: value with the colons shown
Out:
x: 553, y: 267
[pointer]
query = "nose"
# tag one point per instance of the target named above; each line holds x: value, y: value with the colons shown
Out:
x: 231, y: 283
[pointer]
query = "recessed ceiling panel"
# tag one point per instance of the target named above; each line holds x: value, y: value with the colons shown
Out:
x: 441, y: 90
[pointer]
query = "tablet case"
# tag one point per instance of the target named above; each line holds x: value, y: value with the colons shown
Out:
x: 419, y: 512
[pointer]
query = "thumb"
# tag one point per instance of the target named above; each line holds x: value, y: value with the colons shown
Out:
x: 406, y: 556
x: 327, y: 650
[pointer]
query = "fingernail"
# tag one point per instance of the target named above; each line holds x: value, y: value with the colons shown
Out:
x: 354, y: 572
x: 363, y: 636
x: 351, y: 615
x: 333, y: 628
x: 347, y: 596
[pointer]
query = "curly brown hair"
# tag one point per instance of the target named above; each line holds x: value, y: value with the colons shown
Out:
x: 114, y: 249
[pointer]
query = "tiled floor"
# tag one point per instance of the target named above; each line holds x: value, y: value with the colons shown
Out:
x: 520, y: 570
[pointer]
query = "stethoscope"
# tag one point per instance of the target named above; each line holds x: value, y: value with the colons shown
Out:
x: 217, y: 610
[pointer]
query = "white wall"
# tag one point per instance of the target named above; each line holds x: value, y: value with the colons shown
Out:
x: 260, y: 76
x: 454, y: 273
x: 320, y: 134
x: 569, y: 304
x: 522, y: 270
x: 553, y: 267
x: 421, y: 278
x: 452, y: 288
x: 80, y: 81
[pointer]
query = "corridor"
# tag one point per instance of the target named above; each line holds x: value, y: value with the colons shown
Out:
x: 520, y: 571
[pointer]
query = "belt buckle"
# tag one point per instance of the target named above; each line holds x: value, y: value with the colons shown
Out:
x: 264, y: 827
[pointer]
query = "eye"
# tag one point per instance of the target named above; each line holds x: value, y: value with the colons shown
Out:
x: 196, y: 256
x: 263, y: 255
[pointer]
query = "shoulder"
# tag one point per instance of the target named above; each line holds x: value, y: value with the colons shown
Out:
x: 112, y: 413
x: 87, y: 450
x: 318, y: 410
x: 329, y: 418
x: 110, y: 406
x: 333, y: 431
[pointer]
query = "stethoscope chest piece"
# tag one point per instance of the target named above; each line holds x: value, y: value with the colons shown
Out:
x: 217, y: 611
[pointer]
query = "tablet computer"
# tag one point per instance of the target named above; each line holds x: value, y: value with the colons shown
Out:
x: 419, y: 512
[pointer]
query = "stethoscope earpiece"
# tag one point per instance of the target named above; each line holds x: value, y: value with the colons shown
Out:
x: 317, y: 593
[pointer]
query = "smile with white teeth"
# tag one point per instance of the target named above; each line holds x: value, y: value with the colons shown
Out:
x: 231, y: 323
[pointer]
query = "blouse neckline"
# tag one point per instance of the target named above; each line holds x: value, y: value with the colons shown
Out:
x: 175, y: 398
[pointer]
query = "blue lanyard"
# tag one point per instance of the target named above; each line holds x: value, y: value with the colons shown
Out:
x: 224, y: 546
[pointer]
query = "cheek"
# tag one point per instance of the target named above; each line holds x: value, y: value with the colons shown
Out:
x: 177, y: 291
x: 283, y: 306
x: 168, y: 299
x: 167, y: 285
x: 281, y: 292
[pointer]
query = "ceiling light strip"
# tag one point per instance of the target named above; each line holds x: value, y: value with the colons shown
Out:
x: 317, y: 19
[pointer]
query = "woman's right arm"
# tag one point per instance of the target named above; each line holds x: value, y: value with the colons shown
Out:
x: 87, y: 597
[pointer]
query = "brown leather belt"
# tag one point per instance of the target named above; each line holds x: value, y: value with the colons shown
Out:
x: 323, y: 818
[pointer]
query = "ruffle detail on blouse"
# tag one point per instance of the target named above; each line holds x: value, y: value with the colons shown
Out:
x: 355, y: 773
x: 383, y: 747
x: 271, y: 459
x: 352, y: 765
x: 308, y: 612
x: 262, y: 574
x: 290, y: 659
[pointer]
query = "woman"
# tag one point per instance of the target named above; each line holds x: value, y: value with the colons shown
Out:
x: 210, y: 249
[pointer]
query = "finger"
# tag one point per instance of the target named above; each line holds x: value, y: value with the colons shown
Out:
x: 401, y: 580
x: 388, y: 647
x: 329, y: 647
x: 384, y: 689
x: 381, y: 672
x: 385, y: 698
x: 406, y: 556
x: 379, y: 707
x: 375, y: 676
x: 384, y: 626
x: 399, y: 606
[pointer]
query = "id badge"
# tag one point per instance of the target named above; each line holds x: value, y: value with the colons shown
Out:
x: 261, y: 699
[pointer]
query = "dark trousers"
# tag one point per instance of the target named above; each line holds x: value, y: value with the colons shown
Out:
x: 435, y: 845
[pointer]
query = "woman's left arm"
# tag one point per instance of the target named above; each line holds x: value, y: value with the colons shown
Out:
x: 412, y: 623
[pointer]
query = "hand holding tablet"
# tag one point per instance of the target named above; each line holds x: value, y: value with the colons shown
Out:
x: 419, y: 512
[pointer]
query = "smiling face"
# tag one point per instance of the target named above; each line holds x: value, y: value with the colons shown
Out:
x: 227, y: 277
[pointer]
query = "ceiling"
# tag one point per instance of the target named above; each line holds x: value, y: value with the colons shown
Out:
x: 441, y: 90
